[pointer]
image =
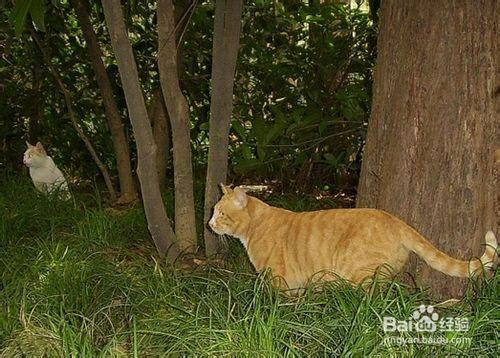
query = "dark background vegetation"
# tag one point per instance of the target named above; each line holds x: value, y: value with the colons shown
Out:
x: 302, y: 90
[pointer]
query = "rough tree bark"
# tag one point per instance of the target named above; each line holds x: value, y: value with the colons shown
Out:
x: 428, y: 158
x: 128, y: 192
x: 224, y: 54
x: 158, y: 222
x: 185, y: 223
x: 72, y: 116
x: 161, y: 133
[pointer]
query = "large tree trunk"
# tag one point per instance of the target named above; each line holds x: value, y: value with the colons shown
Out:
x: 429, y: 152
x: 224, y: 54
x: 118, y: 136
x: 158, y: 222
x: 185, y: 223
x: 72, y: 115
x: 161, y: 133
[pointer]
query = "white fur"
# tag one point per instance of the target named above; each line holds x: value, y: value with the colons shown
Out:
x: 45, y: 174
x: 214, y: 218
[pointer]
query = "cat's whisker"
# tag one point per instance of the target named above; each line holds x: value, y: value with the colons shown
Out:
x: 224, y: 240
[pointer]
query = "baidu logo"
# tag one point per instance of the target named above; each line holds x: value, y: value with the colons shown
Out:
x: 426, y: 323
x: 425, y: 319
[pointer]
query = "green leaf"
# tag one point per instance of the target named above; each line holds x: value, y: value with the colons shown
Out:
x: 276, y: 131
x: 246, y: 151
x: 239, y: 129
x: 37, y: 12
x: 331, y: 159
x: 20, y: 12
x: 247, y: 165
x: 300, y: 158
x: 259, y: 129
x: 261, y: 153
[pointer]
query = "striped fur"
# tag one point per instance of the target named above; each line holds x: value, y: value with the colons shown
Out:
x: 350, y: 243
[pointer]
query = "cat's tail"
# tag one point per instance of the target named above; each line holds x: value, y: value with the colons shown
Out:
x: 440, y: 261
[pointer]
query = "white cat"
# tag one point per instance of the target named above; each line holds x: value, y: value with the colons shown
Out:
x: 43, y: 171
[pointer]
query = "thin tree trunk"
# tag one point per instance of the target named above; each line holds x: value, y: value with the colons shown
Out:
x: 224, y: 54
x: 128, y: 192
x: 73, y: 117
x: 431, y: 137
x: 185, y: 223
x: 158, y: 222
x: 161, y: 133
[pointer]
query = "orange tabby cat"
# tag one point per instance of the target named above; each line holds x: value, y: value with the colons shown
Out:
x: 352, y: 243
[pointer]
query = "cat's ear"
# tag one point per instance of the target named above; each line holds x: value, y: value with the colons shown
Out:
x: 240, y: 197
x: 29, y: 145
x: 225, y: 189
x: 40, y: 148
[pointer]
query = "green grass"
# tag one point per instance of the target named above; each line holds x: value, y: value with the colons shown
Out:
x: 81, y: 280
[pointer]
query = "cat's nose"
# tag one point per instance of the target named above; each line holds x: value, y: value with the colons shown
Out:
x: 211, y: 223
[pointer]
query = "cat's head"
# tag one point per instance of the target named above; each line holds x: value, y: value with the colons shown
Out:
x: 230, y: 213
x: 35, y: 155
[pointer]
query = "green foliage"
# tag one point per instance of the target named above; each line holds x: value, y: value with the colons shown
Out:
x: 34, y: 8
x: 302, y: 89
x: 302, y: 86
x: 81, y: 282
